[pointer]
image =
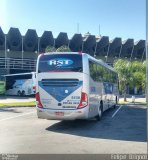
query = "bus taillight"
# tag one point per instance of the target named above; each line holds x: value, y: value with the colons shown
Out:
x: 39, y: 104
x: 84, y: 101
x: 34, y: 88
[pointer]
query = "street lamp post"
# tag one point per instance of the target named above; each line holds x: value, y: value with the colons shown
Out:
x: 143, y: 54
x: 8, y: 60
x: 132, y: 53
x: 107, y: 52
x: 5, y: 50
x: 22, y: 51
x: 126, y: 87
x: 120, y: 51
x: 105, y: 58
x: 82, y: 46
x: 95, y: 49
x: 38, y: 45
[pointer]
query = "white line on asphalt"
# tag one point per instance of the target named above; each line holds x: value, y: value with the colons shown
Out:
x: 116, y: 111
x: 17, y: 116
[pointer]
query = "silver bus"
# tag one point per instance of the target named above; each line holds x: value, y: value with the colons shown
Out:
x: 73, y: 86
x: 20, y: 84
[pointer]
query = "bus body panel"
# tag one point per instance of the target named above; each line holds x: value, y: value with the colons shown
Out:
x: 62, y: 99
x: 51, y: 95
x: 95, y: 96
x: 68, y: 114
x: 20, y: 84
x: 103, y: 89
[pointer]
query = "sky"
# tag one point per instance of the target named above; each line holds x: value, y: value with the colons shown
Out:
x: 116, y: 18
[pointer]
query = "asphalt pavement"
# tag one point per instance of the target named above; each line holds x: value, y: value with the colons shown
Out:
x: 121, y: 132
x: 13, y: 99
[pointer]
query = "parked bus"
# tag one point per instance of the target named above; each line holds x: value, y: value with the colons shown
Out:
x: 20, y: 84
x: 74, y: 86
x: 2, y: 85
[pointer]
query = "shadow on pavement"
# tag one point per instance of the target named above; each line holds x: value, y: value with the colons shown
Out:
x: 129, y: 124
x: 3, y: 97
x: 9, y: 110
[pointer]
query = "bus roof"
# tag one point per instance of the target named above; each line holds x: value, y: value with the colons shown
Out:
x: 99, y: 61
x: 49, y: 53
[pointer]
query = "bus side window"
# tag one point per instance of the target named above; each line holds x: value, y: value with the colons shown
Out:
x: 105, y: 75
x: 99, y: 73
x: 108, y: 76
x: 111, y: 77
x: 92, y: 67
x: 114, y: 78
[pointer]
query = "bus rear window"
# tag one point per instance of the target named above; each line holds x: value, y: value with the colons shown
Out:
x: 60, y: 63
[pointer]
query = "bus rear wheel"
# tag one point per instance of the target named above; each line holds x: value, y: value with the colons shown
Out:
x: 23, y: 93
x: 116, y: 102
x: 19, y: 93
x: 100, y: 112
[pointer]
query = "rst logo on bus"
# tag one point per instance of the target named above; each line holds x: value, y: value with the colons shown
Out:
x: 60, y: 62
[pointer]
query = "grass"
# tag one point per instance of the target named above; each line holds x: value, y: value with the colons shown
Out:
x: 18, y: 104
x: 33, y: 103
x: 129, y: 103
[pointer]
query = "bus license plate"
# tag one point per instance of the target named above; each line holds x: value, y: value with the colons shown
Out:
x: 59, y: 113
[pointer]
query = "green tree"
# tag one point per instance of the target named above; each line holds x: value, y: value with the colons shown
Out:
x: 144, y: 75
x: 50, y: 49
x: 139, y: 74
x: 123, y: 67
x: 63, y: 49
x: 130, y: 74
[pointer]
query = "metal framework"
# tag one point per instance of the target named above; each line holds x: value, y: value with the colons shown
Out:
x: 22, y: 64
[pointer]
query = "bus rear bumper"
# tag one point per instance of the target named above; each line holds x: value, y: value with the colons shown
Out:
x: 66, y: 114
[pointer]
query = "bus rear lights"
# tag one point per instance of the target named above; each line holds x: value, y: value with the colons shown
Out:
x: 39, y: 104
x: 34, y: 87
x: 83, y: 101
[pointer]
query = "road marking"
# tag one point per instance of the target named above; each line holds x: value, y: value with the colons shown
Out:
x: 116, y: 111
x: 17, y: 116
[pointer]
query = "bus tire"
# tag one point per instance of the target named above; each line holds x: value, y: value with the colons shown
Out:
x: 116, y: 100
x: 19, y: 93
x: 23, y: 93
x: 100, y: 112
x: 116, y: 103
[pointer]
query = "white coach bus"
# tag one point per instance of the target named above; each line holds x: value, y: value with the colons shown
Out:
x: 21, y: 84
x: 74, y: 85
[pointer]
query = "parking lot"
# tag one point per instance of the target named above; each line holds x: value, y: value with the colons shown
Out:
x: 124, y: 132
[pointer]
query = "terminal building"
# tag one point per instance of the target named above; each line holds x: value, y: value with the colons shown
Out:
x: 18, y: 53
